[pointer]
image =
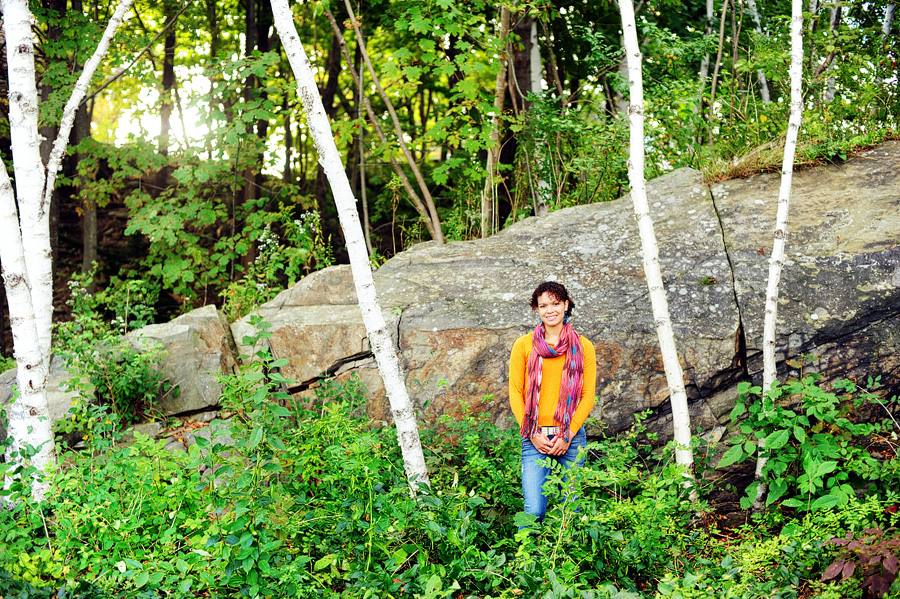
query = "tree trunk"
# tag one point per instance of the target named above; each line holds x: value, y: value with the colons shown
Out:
x: 29, y: 168
x: 288, y: 175
x: 781, y: 222
x: 834, y: 23
x: 888, y: 21
x: 704, y: 63
x: 363, y: 195
x: 327, y: 93
x: 167, y: 98
x: 715, y: 77
x: 29, y: 415
x: 681, y: 421
x: 24, y: 246
x: 489, y: 194
x: 376, y: 328
x: 520, y: 80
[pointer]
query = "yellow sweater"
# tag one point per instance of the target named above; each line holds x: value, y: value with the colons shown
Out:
x: 551, y: 380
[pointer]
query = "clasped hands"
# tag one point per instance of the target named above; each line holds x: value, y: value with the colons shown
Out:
x: 558, y: 446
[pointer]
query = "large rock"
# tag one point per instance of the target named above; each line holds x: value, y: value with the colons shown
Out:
x: 841, y: 285
x: 197, y: 349
x: 456, y: 309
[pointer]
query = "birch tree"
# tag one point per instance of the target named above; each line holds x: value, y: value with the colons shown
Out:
x: 25, y: 243
x: 776, y: 262
x: 681, y: 420
x: 376, y: 328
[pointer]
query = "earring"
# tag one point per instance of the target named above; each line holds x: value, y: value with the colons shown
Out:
x: 566, y: 319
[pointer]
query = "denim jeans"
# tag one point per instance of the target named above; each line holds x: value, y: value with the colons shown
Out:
x: 534, y: 474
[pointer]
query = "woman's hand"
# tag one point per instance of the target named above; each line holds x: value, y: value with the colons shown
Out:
x: 542, y: 443
x: 561, y: 443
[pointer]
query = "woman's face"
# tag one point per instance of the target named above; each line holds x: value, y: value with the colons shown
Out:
x: 550, y: 310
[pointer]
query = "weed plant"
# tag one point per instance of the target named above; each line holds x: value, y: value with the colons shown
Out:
x: 108, y: 371
x: 305, y: 499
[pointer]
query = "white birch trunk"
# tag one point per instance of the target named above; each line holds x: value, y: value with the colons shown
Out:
x: 781, y: 222
x: 681, y: 420
x: 834, y: 23
x: 376, y: 328
x: 29, y: 415
x: 536, y: 78
x: 888, y: 21
x: 25, y: 245
x: 28, y: 166
x: 704, y: 63
x: 761, y: 77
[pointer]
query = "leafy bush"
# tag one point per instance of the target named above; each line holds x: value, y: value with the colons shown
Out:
x: 808, y: 435
x: 289, y: 498
x: 106, y: 368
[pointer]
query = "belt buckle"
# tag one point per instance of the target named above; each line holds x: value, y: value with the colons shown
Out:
x: 550, y: 430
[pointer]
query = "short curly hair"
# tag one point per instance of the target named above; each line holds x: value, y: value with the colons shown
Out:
x: 556, y: 290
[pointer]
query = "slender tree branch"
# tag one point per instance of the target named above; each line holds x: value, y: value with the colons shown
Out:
x: 404, y: 180
x: 118, y: 74
x: 68, y: 120
x: 429, y: 202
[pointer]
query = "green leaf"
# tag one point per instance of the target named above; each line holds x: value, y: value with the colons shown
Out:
x: 824, y: 502
x: 255, y: 437
x: 141, y: 579
x: 825, y: 468
x: 776, y: 489
x: 732, y: 456
x: 777, y: 439
x: 279, y: 411
x: 324, y: 562
x: 793, y: 502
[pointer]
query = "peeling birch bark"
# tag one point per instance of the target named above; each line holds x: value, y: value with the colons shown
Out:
x: 25, y: 245
x: 29, y: 414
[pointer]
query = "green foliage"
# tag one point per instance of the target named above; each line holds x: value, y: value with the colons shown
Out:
x: 581, y: 160
x: 302, y: 498
x: 106, y: 368
x: 808, y: 435
x: 7, y: 363
x: 279, y: 265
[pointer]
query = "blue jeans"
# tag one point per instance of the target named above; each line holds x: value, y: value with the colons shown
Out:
x: 534, y: 474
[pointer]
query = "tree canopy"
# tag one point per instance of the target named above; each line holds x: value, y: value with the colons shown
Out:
x: 192, y: 148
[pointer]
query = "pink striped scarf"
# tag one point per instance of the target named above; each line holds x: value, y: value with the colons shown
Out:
x: 569, y: 345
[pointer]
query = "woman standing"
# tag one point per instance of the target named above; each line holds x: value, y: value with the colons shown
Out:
x: 552, y: 380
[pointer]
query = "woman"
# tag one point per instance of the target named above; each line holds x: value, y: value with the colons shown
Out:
x: 552, y: 379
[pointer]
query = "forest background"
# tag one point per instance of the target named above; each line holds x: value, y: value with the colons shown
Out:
x: 191, y: 180
x: 191, y: 174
